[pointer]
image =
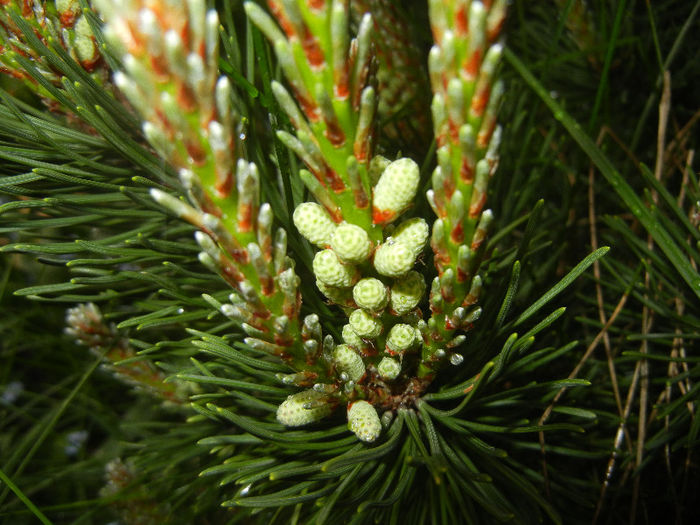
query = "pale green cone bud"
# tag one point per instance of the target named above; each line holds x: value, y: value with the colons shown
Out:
x: 363, y: 421
x: 413, y: 233
x: 314, y: 223
x: 329, y: 270
x: 68, y: 6
x: 85, y: 47
x: 351, y: 338
x: 364, y: 325
x: 401, y: 337
x: 351, y: 243
x: 293, y: 414
x: 395, y: 190
x: 389, y: 368
x: 341, y: 296
x: 349, y: 361
x: 370, y: 294
x: 407, y: 292
x: 376, y: 167
x: 393, y: 259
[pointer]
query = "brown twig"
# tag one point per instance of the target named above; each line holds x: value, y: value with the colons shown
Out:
x: 647, y: 314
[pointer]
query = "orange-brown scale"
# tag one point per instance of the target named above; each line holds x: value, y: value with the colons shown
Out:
x: 482, y: 139
x: 493, y: 33
x: 448, y: 187
x: 67, y: 19
x: 27, y: 6
x: 477, y: 205
x: 359, y: 149
x: 461, y: 21
x: 332, y: 179
x: 91, y: 64
x: 457, y: 234
x: 312, y: 50
x: 447, y: 294
x: 245, y: 214
x: 341, y: 87
x: 267, y: 286
x: 278, y: 14
x: 477, y: 241
x: 334, y: 133
x: 382, y: 216
x: 462, y: 276
x: 361, y: 200
x: 480, y: 100
x: 309, y: 107
x: 469, y: 300
x: 471, y: 66
x: 185, y: 97
x: 196, y: 151
x: 466, y: 172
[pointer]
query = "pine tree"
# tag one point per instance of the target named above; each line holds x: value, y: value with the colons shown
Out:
x: 346, y: 261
